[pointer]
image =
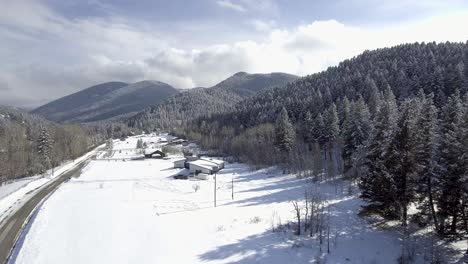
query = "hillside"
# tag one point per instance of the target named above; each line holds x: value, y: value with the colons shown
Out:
x: 198, y: 102
x: 436, y: 68
x: 106, y: 101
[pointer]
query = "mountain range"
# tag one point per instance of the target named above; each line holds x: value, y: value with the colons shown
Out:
x: 202, y: 102
x: 119, y: 100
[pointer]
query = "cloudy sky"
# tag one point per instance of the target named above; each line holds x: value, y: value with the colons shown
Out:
x: 51, y: 48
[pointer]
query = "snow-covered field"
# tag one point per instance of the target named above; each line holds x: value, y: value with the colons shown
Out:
x: 135, y: 212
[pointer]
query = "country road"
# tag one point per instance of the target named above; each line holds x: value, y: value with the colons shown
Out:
x: 13, y: 225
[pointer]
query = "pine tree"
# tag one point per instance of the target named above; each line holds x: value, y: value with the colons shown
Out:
x: 344, y: 112
x: 401, y: 160
x: 464, y: 131
x: 285, y: 134
x: 331, y: 133
x: 44, y: 149
x: 331, y: 124
x: 453, y: 167
x: 374, y: 97
x: 308, y: 128
x: 318, y: 131
x: 356, y: 131
x: 376, y: 184
x: 426, y: 155
x: 139, y: 144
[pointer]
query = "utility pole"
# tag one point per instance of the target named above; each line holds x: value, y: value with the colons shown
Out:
x: 215, y: 190
x: 232, y: 184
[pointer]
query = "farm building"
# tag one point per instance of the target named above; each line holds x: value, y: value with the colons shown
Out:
x: 150, y: 153
x: 180, y: 163
x: 202, y: 166
x: 218, y: 163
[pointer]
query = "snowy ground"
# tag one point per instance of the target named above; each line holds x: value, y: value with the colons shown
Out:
x: 135, y: 212
x: 11, y: 187
x: 12, y: 195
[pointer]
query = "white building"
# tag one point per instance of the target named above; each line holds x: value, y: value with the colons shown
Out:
x: 180, y: 163
x: 218, y: 163
x: 202, y: 166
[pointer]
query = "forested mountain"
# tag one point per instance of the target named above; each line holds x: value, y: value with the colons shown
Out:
x: 199, y: 102
x: 30, y: 145
x: 395, y: 120
x: 106, y: 101
x: 436, y: 68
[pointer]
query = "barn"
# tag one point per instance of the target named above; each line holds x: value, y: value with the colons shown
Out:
x: 150, y: 153
x: 218, y: 163
x: 202, y: 166
x: 180, y: 163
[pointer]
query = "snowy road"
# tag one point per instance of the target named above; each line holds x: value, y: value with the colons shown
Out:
x: 12, y: 226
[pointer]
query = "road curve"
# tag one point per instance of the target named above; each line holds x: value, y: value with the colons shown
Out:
x: 13, y: 225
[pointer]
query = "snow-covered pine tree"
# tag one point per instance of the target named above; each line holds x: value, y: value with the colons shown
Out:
x: 318, y: 130
x: 346, y: 134
x: 331, y: 134
x: 308, y: 128
x: 285, y: 134
x: 139, y: 144
x: 464, y: 201
x: 376, y: 184
x: 374, y: 96
x: 331, y: 124
x: 356, y: 131
x: 426, y: 155
x: 44, y: 149
x: 344, y: 111
x: 453, y: 166
x: 401, y: 160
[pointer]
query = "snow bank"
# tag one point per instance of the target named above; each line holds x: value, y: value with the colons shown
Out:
x: 13, y: 186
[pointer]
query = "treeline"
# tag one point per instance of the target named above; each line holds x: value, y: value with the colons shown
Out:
x: 394, y: 120
x: 30, y: 145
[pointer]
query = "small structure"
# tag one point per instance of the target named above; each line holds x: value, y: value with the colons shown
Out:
x: 178, y: 142
x: 217, y: 162
x: 180, y: 163
x: 202, y: 166
x: 150, y: 152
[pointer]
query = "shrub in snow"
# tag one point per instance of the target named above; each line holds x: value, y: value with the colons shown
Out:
x: 196, y: 187
x: 255, y: 220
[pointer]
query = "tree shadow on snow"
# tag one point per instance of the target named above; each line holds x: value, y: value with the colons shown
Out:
x: 262, y: 248
x: 275, y: 192
x: 353, y: 240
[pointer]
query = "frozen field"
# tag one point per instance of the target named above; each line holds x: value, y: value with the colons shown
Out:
x: 135, y: 212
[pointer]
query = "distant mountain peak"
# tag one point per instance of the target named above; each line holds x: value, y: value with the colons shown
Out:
x: 106, y: 101
x: 241, y: 73
x: 245, y: 84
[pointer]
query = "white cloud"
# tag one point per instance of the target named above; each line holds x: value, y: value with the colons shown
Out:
x: 263, y: 25
x: 45, y: 56
x: 230, y: 5
x: 267, y: 7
